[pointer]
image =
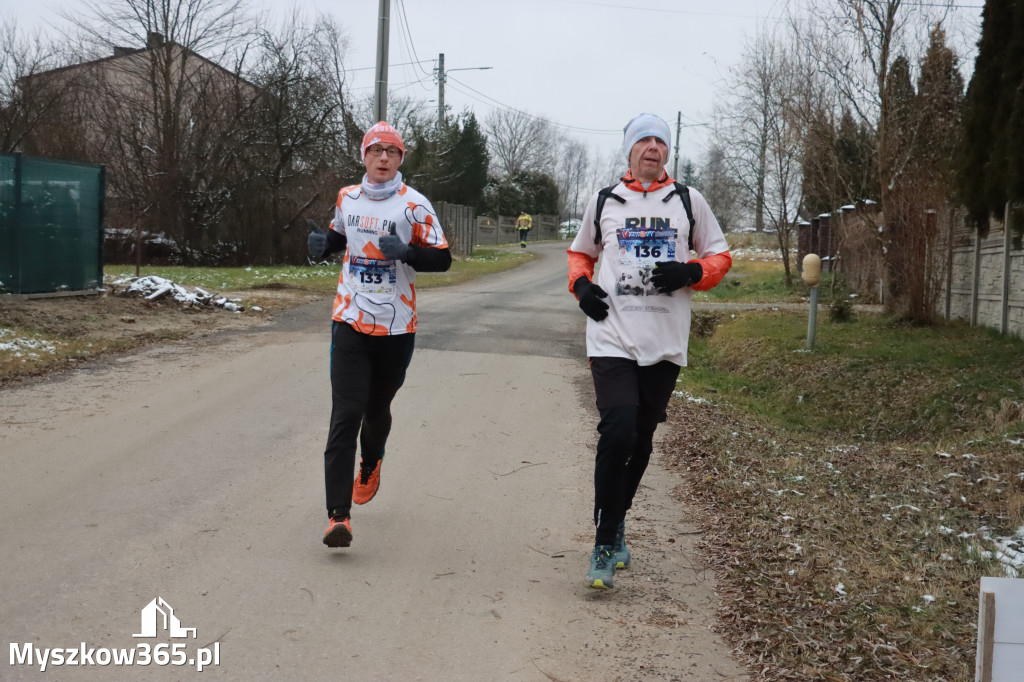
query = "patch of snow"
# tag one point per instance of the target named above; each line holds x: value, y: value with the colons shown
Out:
x: 18, y: 345
x: 153, y: 287
x: 691, y: 398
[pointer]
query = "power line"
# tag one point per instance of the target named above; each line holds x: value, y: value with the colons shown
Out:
x: 490, y: 101
x: 371, y: 68
x: 652, y: 9
x: 392, y: 87
x: 408, y: 33
x: 610, y: 5
x: 406, y: 46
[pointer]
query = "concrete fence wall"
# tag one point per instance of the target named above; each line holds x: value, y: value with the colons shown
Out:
x: 502, y: 230
x: 980, y: 279
x: 986, y: 281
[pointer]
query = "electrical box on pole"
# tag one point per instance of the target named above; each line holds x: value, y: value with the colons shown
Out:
x: 380, y: 92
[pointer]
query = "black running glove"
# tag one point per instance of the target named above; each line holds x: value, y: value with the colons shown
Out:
x: 322, y: 243
x: 671, y: 275
x: 393, y: 248
x: 316, y: 242
x: 590, y: 296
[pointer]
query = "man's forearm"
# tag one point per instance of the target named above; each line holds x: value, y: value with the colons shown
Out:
x: 430, y: 259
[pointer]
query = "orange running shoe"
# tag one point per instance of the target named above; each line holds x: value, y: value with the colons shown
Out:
x: 338, y: 533
x: 366, y: 484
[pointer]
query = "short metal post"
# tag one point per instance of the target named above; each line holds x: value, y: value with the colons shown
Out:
x: 812, y: 320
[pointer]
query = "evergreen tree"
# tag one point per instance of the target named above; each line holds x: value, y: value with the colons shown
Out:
x: 689, y: 174
x: 721, y: 190
x: 854, y: 150
x: 981, y: 158
x: 530, y: 191
x: 820, y: 166
x: 901, y: 206
x: 901, y: 121
x: 468, y: 162
x: 1013, y: 92
x: 449, y: 164
x: 940, y: 102
x: 838, y: 163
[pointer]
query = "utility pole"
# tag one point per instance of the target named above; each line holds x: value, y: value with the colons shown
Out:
x: 442, y: 75
x: 679, y: 127
x: 380, y: 93
x: 440, y: 91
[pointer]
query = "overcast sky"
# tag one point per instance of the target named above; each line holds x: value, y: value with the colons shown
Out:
x: 584, y: 65
x: 588, y: 66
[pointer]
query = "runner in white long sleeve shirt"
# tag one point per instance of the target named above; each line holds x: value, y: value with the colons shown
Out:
x: 639, y: 325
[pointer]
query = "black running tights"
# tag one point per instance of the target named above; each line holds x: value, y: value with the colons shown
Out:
x: 631, y: 401
x: 366, y: 373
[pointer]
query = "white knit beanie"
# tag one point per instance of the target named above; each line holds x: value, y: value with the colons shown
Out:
x: 645, y: 125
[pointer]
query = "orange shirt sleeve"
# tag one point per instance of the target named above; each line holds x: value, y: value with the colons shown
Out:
x: 580, y: 265
x: 714, y: 268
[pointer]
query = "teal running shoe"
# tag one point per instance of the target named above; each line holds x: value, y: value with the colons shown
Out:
x: 620, y: 552
x: 601, y: 575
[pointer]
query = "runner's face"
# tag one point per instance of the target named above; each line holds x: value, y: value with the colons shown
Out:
x: 647, y: 159
x: 381, y: 168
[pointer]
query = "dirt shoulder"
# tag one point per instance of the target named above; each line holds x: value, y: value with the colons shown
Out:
x: 39, y: 336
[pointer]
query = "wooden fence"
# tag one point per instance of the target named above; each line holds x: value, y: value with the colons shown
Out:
x: 459, y: 224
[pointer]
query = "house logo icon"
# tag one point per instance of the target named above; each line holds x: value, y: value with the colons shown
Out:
x: 157, y: 615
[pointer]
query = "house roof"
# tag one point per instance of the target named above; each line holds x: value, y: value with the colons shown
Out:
x: 123, y: 52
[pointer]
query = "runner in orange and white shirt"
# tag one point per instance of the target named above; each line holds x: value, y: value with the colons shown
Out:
x: 389, y: 232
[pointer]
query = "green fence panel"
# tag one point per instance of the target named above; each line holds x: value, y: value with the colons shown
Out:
x: 51, y: 225
x: 8, y: 235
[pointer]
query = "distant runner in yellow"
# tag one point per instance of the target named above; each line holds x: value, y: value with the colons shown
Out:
x: 523, y: 224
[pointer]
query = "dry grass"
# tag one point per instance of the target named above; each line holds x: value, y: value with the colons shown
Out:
x: 850, y: 547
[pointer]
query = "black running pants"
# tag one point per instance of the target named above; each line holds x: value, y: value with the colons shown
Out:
x: 631, y: 401
x: 366, y: 373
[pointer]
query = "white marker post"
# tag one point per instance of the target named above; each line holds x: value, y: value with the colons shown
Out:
x: 811, y: 275
x: 1000, y: 652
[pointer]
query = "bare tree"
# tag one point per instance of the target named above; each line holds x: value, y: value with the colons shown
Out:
x: 761, y: 134
x: 519, y: 141
x: 169, y: 119
x: 333, y: 49
x: 721, y: 189
x: 857, y: 43
x: 573, y: 166
x: 300, y: 120
x: 26, y: 102
x: 606, y: 170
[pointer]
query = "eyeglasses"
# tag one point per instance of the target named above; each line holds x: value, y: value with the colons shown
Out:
x: 377, y: 150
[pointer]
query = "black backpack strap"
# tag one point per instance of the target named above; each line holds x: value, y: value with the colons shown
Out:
x: 602, y: 196
x: 684, y: 195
